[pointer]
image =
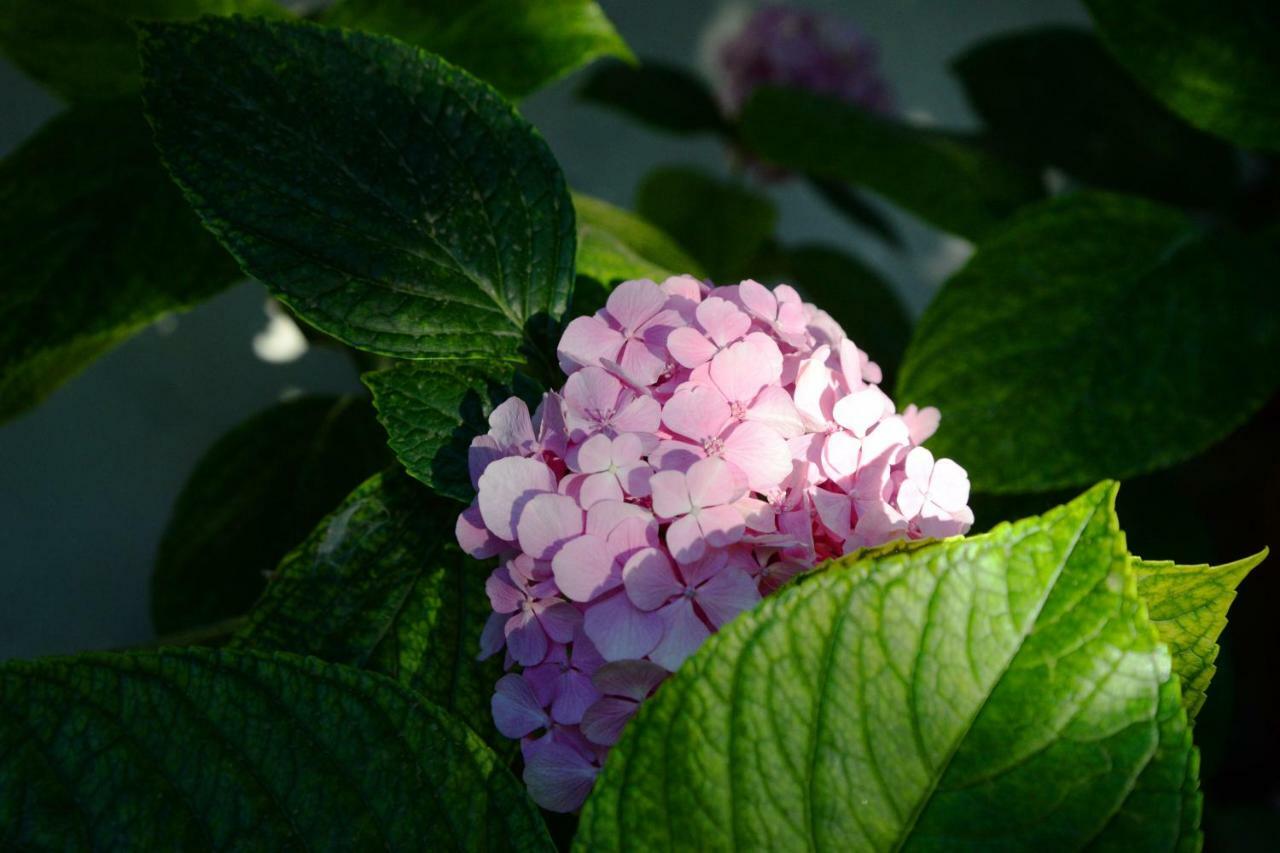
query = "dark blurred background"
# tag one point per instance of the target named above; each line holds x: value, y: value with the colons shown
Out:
x: 88, y: 479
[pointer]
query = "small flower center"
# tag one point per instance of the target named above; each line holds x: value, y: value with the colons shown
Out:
x: 713, y: 446
x: 737, y: 410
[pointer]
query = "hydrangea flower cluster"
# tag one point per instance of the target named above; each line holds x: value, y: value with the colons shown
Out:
x: 709, y: 443
x: 803, y: 49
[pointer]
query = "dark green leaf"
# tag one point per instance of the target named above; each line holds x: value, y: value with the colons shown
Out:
x: 947, y: 179
x: 663, y: 96
x: 614, y: 245
x: 1054, y: 97
x: 253, y: 496
x: 97, y: 244
x: 192, y: 749
x: 862, y: 302
x: 1214, y: 64
x: 1096, y: 335
x: 388, y: 198
x: 517, y: 45
x: 1188, y: 605
x: 87, y: 49
x: 1000, y: 692
x: 857, y: 209
x: 720, y: 224
x: 380, y: 584
x: 432, y: 410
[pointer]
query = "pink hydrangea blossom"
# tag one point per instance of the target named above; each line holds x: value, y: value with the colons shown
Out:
x: 801, y: 48
x: 709, y: 444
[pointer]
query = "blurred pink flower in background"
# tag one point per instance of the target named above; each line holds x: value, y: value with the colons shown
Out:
x: 790, y: 46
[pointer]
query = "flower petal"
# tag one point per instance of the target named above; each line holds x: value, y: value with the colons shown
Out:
x: 760, y: 453
x: 516, y: 711
x: 683, y: 633
x: 729, y: 592
x: 505, y: 487
x: 650, y: 581
x: 584, y: 568
x: 558, y: 777
x: 696, y: 412
x: 670, y: 494
x: 633, y: 302
x: 585, y: 341
x: 620, y: 630
x: 547, y: 522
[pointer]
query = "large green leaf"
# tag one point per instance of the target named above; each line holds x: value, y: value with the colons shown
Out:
x: 388, y: 198
x: 87, y: 49
x: 1095, y: 336
x: 723, y: 225
x: 663, y: 96
x: 614, y: 245
x: 1188, y: 605
x: 953, y: 181
x: 432, y: 410
x: 191, y: 749
x: 1054, y: 96
x: 1000, y: 692
x: 97, y: 244
x: 254, y: 495
x: 1215, y: 64
x: 517, y: 45
x: 380, y: 584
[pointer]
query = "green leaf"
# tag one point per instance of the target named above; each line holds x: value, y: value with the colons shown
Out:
x: 849, y: 202
x: 517, y: 45
x: 254, y: 495
x: 380, y: 584
x: 432, y: 410
x: 201, y: 750
x: 856, y: 297
x: 1215, y: 65
x: 1188, y: 605
x: 88, y: 49
x: 1054, y: 97
x: 97, y: 244
x: 1004, y: 691
x: 388, y: 198
x: 722, y: 225
x: 662, y: 96
x: 614, y: 245
x: 1095, y: 336
x: 950, y: 180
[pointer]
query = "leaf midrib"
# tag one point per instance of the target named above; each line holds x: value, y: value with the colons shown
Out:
x: 961, y: 736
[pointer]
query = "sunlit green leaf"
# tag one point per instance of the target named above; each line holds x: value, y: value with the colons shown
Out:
x: 1001, y: 692
x: 1188, y: 605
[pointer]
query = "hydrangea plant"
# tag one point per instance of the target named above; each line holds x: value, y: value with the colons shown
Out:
x: 666, y: 531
